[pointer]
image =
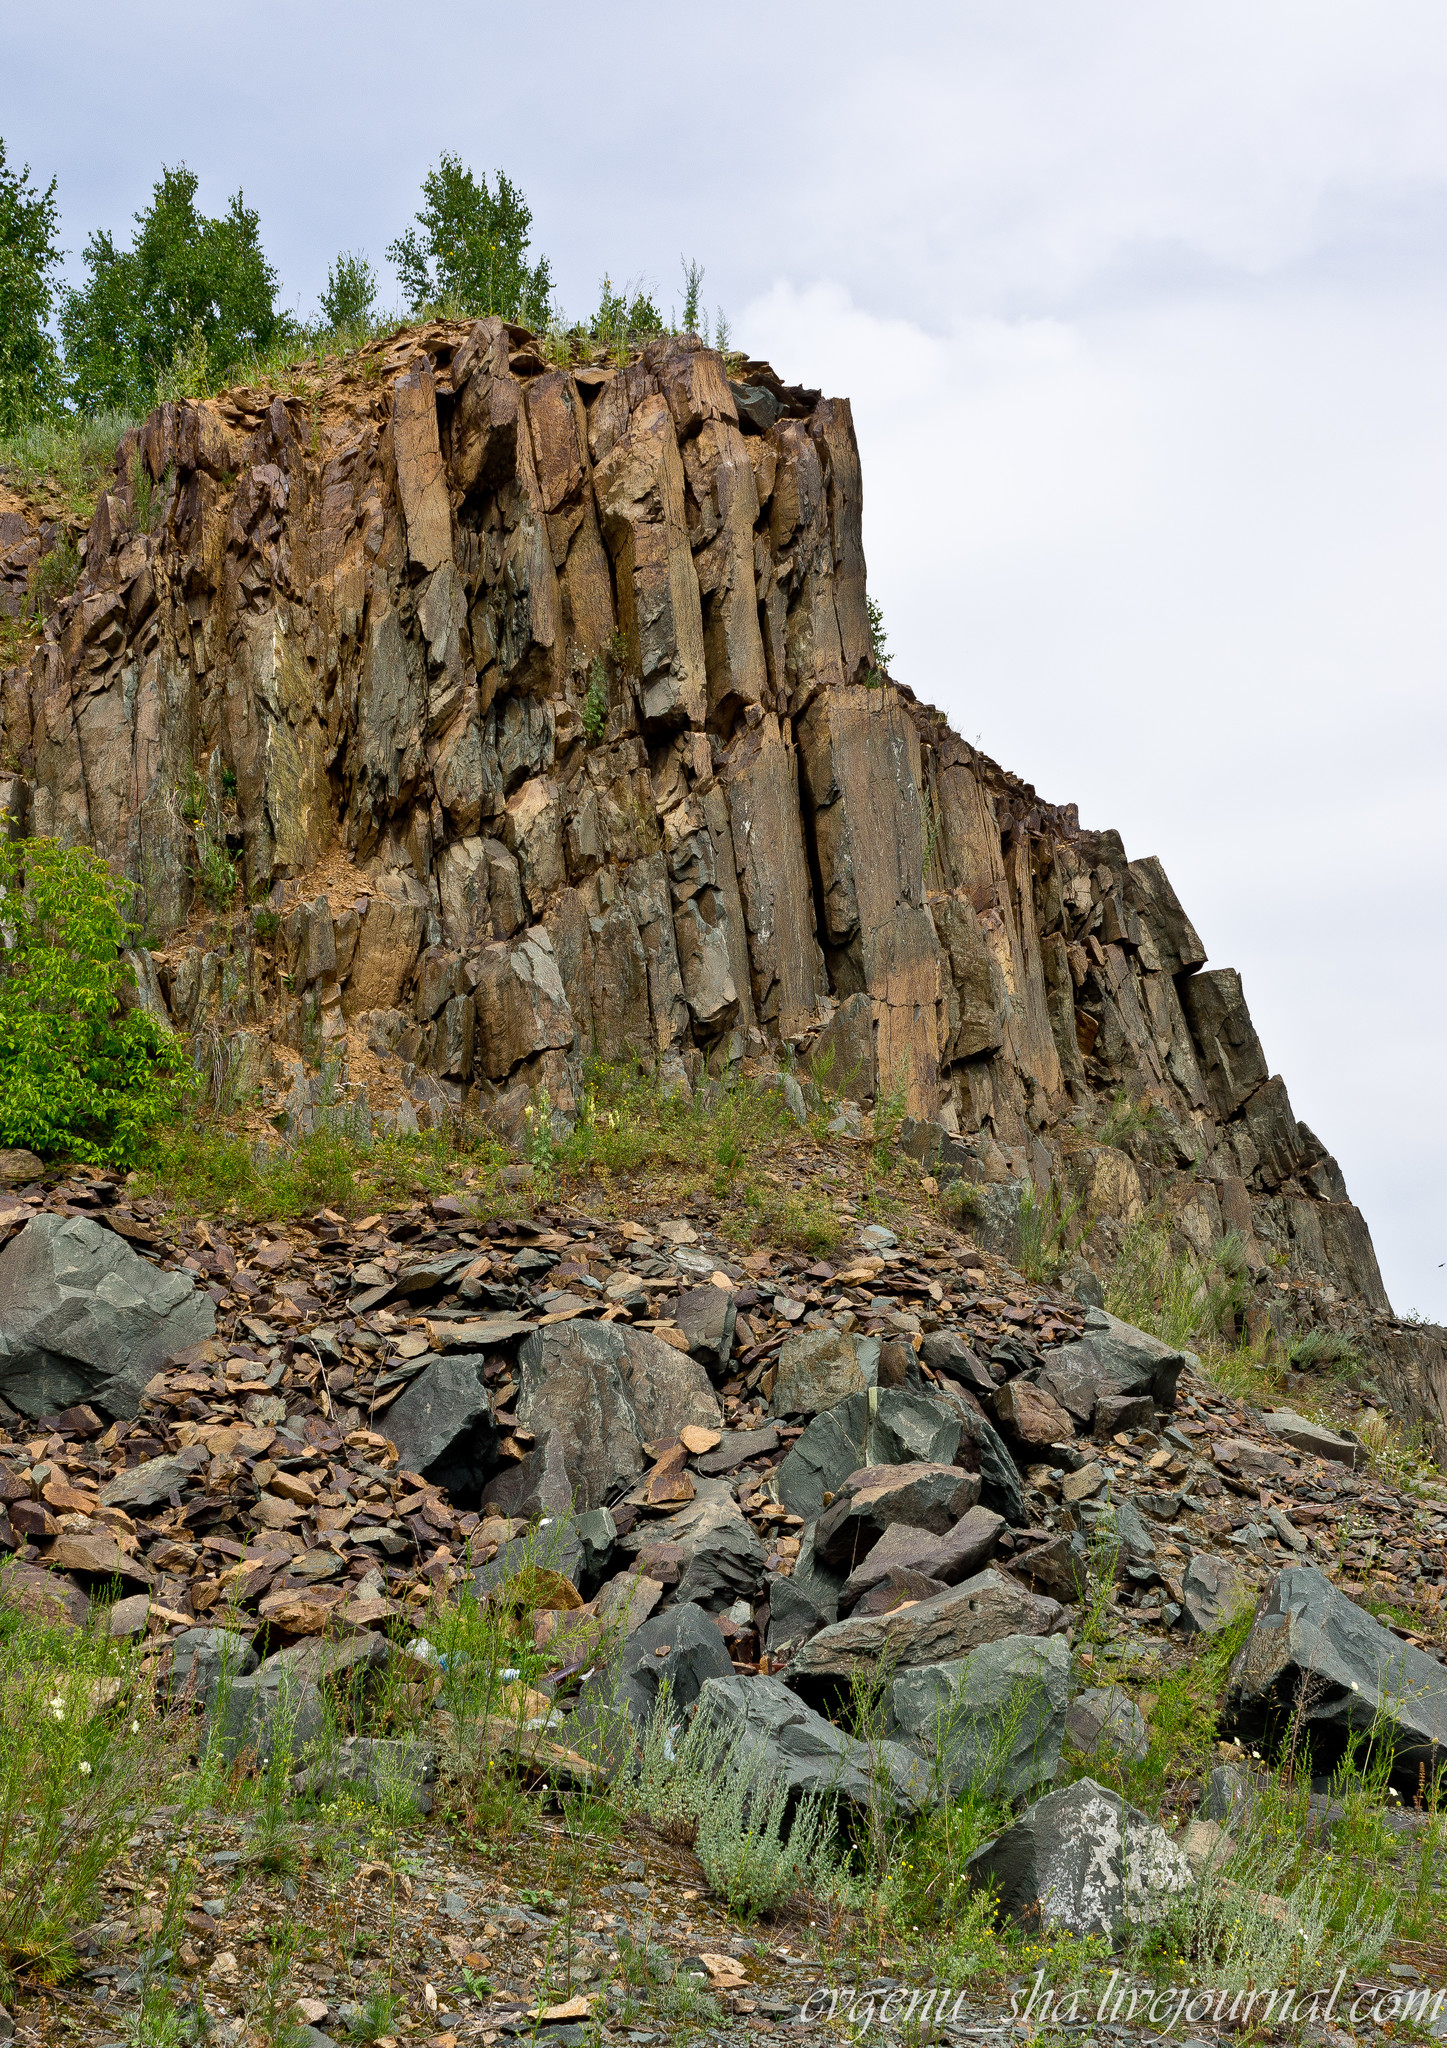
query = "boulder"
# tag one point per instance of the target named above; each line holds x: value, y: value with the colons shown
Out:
x: 1031, y: 1416
x: 443, y: 1426
x: 931, y: 1497
x: 155, y: 1480
x: 980, y: 1610
x: 982, y: 1449
x: 1082, y: 1861
x: 681, y: 1649
x: 1106, y: 1717
x: 819, y: 1368
x: 536, y: 1485
x: 900, y: 1548
x: 993, y: 1721
x: 904, y: 1427
x: 46, y: 1596
x: 706, y: 1317
x: 603, y: 1390
x: 737, y: 1447
x: 1212, y: 1591
x: 800, y: 1605
x: 376, y: 1768
x: 963, y: 1549
x: 947, y: 1351
x: 774, y: 1728
x: 1059, y: 1566
x: 899, y: 1587
x: 1355, y: 1674
x: 1311, y: 1438
x: 1116, y: 1413
x: 82, y: 1318
x: 721, y: 1558
x: 1116, y: 1358
x: 201, y: 1660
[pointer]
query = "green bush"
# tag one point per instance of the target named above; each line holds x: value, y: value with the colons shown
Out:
x: 78, y: 1076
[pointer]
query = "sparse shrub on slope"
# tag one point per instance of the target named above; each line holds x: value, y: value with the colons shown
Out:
x: 78, y: 1076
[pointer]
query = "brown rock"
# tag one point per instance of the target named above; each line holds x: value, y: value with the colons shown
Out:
x: 1030, y: 1415
x: 980, y: 1610
x: 421, y: 480
x: 47, y: 1596
x: 95, y: 1551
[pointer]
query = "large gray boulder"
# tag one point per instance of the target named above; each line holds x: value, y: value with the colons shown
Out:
x: 706, y: 1317
x: 200, y: 1661
x: 808, y: 1600
x: 981, y: 1610
x: 1312, y: 1650
x: 983, y: 1450
x: 772, y: 1724
x: 1082, y: 1861
x: 443, y: 1426
x: 602, y: 1391
x: 1311, y: 1438
x: 994, y: 1720
x: 890, y: 1426
x: 1114, y: 1358
x: 82, y: 1318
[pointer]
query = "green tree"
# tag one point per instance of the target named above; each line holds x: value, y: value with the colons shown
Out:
x: 30, y: 375
x: 79, y: 1075
x: 470, y: 244
x: 351, y: 290
x: 187, y: 283
x: 624, y: 316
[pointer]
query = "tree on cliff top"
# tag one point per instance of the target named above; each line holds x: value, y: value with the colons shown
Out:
x: 470, y: 245
x: 186, y: 280
x: 30, y: 377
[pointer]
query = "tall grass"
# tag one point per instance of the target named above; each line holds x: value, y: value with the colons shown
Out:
x: 1172, y: 1294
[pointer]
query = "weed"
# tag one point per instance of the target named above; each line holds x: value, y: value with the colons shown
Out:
x: 1327, y: 1347
x: 377, y: 2018
x: 595, y: 704
x: 961, y: 1202
x: 54, y: 576
x: 216, y: 870
x: 878, y: 647
x: 1044, y: 1227
x: 1172, y: 1294
x: 889, y: 1113
x: 67, y: 457
x: 1130, y: 1118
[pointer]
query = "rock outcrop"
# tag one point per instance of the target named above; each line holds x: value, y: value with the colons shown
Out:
x: 533, y: 707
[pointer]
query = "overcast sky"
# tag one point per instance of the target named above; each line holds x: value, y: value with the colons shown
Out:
x: 1143, y: 312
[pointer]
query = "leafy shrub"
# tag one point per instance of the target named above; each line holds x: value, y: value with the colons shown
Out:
x: 78, y: 1076
x: 595, y: 704
x: 351, y: 291
x: 54, y: 576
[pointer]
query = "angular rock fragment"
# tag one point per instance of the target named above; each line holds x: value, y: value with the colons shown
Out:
x: 820, y: 1368
x: 1082, y: 1861
x: 82, y: 1318
x: 443, y: 1426
x: 775, y: 1732
x: 706, y: 1317
x: 1106, y: 1717
x: 980, y: 1610
x: 679, y: 1649
x: 894, y: 1428
x: 1213, y: 1590
x: 932, y: 1497
x: 993, y: 1721
x: 1311, y: 1438
x: 1313, y: 1652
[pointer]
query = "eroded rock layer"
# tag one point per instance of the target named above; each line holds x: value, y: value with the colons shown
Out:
x: 534, y: 708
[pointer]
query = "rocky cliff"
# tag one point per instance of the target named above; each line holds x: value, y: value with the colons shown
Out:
x: 530, y: 713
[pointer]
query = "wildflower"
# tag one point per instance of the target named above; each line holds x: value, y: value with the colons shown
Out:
x: 135, y: 1727
x: 84, y: 1769
x: 57, y: 1707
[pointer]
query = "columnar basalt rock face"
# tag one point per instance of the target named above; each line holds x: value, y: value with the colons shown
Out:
x: 535, y: 706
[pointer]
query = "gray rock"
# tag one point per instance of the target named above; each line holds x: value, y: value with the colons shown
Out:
x: 947, y: 1351
x: 983, y: 1448
x: 443, y: 1426
x: 981, y: 1610
x: 536, y: 1485
x: 680, y: 1648
x: 201, y: 1659
x: 1106, y: 1717
x: 1117, y: 1414
x: 281, y: 1701
x: 966, y: 1547
x: 773, y: 1726
x: 1229, y: 1787
x: 1311, y: 1438
x: 380, y: 1770
x: 142, y: 1486
x: 820, y: 1368
x: 904, y: 1428
x: 723, y: 1560
x: 82, y: 1318
x: 1134, y: 1537
x: 1212, y: 1591
x: 1119, y: 1359
x: 931, y: 1497
x: 1357, y: 1675
x: 706, y: 1317
x: 993, y: 1720
x: 1082, y: 1861
x: 898, y: 1588
x: 603, y: 1390
x: 808, y: 1600
x: 739, y: 1447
